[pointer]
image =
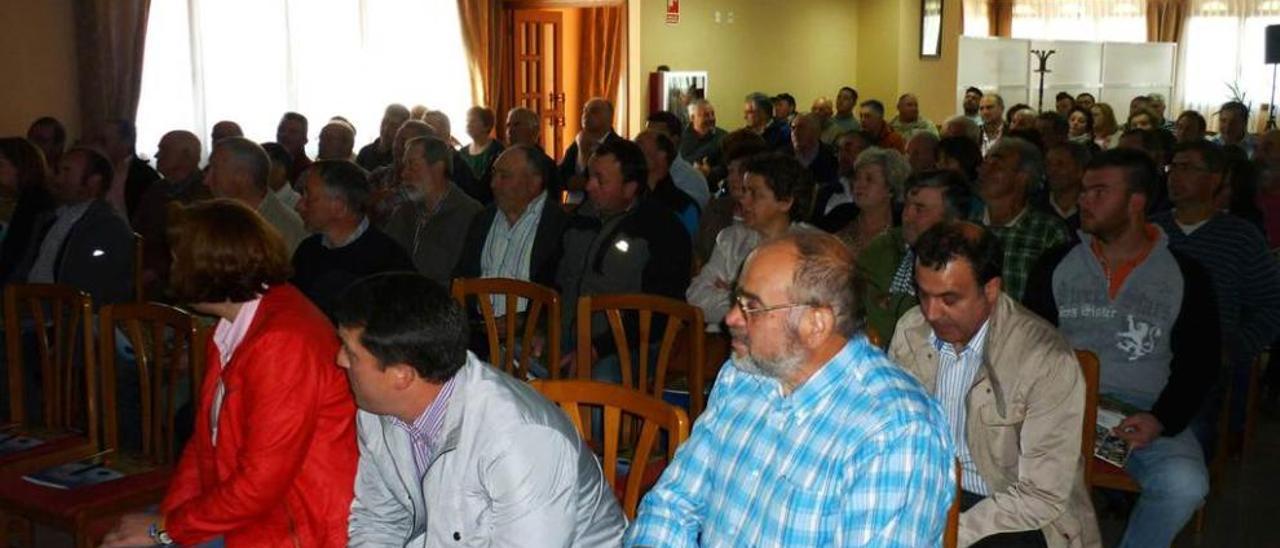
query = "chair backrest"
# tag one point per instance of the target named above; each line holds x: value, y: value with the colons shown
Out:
x: 951, y: 535
x: 59, y: 319
x: 1089, y: 367
x: 681, y: 336
x: 616, y: 401
x: 139, y: 289
x: 168, y: 352
x: 873, y: 336
x: 518, y: 330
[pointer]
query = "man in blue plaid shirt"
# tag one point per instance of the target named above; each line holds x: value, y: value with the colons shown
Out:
x: 811, y: 438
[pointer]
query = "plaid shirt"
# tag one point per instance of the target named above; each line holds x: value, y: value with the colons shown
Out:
x: 1025, y: 239
x: 859, y: 455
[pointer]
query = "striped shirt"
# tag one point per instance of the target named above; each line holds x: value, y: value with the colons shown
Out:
x: 955, y: 378
x: 858, y: 455
x: 1025, y: 239
x: 425, y: 430
x: 509, y: 248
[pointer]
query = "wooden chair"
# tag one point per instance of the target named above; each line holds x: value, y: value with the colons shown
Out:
x: 60, y: 320
x: 951, y: 535
x: 1252, y: 402
x: 683, y: 321
x: 168, y: 354
x: 873, y: 336
x: 616, y: 400
x: 139, y: 287
x: 543, y: 302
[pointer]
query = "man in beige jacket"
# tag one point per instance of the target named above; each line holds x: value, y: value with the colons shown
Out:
x: 1011, y: 389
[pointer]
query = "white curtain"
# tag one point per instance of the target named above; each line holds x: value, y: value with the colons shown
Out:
x: 1094, y: 20
x: 1223, y: 48
x: 976, y: 18
x: 251, y: 60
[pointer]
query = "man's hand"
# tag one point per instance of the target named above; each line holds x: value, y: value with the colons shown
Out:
x: 131, y: 530
x: 1139, y: 429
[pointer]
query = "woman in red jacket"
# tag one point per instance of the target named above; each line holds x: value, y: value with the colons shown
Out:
x: 272, y: 459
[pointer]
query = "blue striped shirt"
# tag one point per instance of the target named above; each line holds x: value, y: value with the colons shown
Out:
x: 425, y: 430
x: 509, y: 248
x: 858, y: 455
x: 955, y: 377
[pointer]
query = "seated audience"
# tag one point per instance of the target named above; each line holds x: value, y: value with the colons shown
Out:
x: 726, y: 209
x: 48, y: 135
x: 460, y: 172
x: 1010, y: 388
x: 1053, y: 129
x: 871, y: 115
x: 238, y: 169
x: 886, y: 267
x: 291, y: 133
x: 484, y: 149
x: 337, y: 142
x: 520, y: 234
x: 1233, y: 121
x: 962, y: 126
x: 451, y: 449
x: 1064, y: 169
x: 1086, y: 100
x: 686, y: 177
x: 1245, y: 277
x: 971, y: 105
x: 83, y: 242
x: 432, y: 224
x: 784, y: 108
x: 771, y: 205
x: 133, y: 176
x: 224, y: 129
x: 24, y: 197
x: 1009, y: 175
x: 700, y: 141
x: 812, y: 436
x: 817, y: 158
x: 273, y: 457
x: 758, y: 114
x: 1143, y: 118
x: 1063, y: 102
x: 1020, y: 117
x: 1190, y: 127
x: 833, y: 207
x: 844, y: 119
x: 278, y: 180
x: 597, y: 129
x: 908, y: 122
x: 660, y: 152
x: 1080, y: 125
x: 1106, y: 130
x: 922, y: 152
x: 1152, y: 322
x: 343, y: 246
x: 877, y: 191
x: 389, y: 188
x: 378, y: 153
x: 991, y: 109
x: 1158, y: 107
x: 178, y: 160
x: 960, y: 155
x: 523, y: 129
x: 620, y: 241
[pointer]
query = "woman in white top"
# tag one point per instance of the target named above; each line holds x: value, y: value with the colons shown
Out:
x: 773, y: 199
x: 1106, y: 131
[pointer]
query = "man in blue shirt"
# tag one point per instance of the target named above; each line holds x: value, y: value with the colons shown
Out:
x: 812, y: 436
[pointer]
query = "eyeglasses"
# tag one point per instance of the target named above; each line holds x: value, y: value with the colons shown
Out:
x: 740, y: 301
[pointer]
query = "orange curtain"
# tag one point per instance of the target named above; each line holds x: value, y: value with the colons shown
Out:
x: 1165, y: 19
x: 603, y: 33
x: 110, y: 35
x: 1000, y: 17
x: 485, y: 33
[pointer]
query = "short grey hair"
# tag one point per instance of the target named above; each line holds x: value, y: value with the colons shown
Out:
x: 824, y: 276
x: 892, y: 163
x: 971, y: 129
x: 248, y: 157
x: 523, y: 114
x: 1030, y: 159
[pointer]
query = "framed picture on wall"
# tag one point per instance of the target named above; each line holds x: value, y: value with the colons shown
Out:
x: 930, y: 28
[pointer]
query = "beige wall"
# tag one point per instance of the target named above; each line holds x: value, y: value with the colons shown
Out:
x: 38, y: 60
x: 804, y: 47
x: 932, y: 79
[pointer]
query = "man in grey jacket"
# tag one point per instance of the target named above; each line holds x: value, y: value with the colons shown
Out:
x: 452, y: 451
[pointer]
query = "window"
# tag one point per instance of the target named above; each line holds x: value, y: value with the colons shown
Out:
x: 251, y: 60
x: 1094, y: 20
x: 1223, y: 49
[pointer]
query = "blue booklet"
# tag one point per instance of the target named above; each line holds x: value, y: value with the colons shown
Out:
x: 75, y: 474
x: 13, y: 443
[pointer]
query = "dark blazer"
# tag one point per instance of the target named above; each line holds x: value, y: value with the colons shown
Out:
x: 825, y: 167
x: 141, y: 177
x: 33, y: 202
x: 96, y: 257
x: 548, y: 243
x: 569, y: 163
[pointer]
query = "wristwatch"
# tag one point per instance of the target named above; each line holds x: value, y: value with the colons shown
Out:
x: 159, y: 535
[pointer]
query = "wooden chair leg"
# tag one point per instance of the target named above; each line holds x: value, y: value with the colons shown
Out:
x: 1199, y: 528
x: 1251, y: 407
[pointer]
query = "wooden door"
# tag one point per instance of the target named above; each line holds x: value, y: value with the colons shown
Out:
x: 538, y: 66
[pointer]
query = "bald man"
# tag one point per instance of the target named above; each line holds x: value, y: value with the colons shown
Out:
x: 909, y: 122
x: 337, y: 141
x: 224, y: 129
x: 178, y: 161
x: 238, y: 169
x: 597, y: 127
